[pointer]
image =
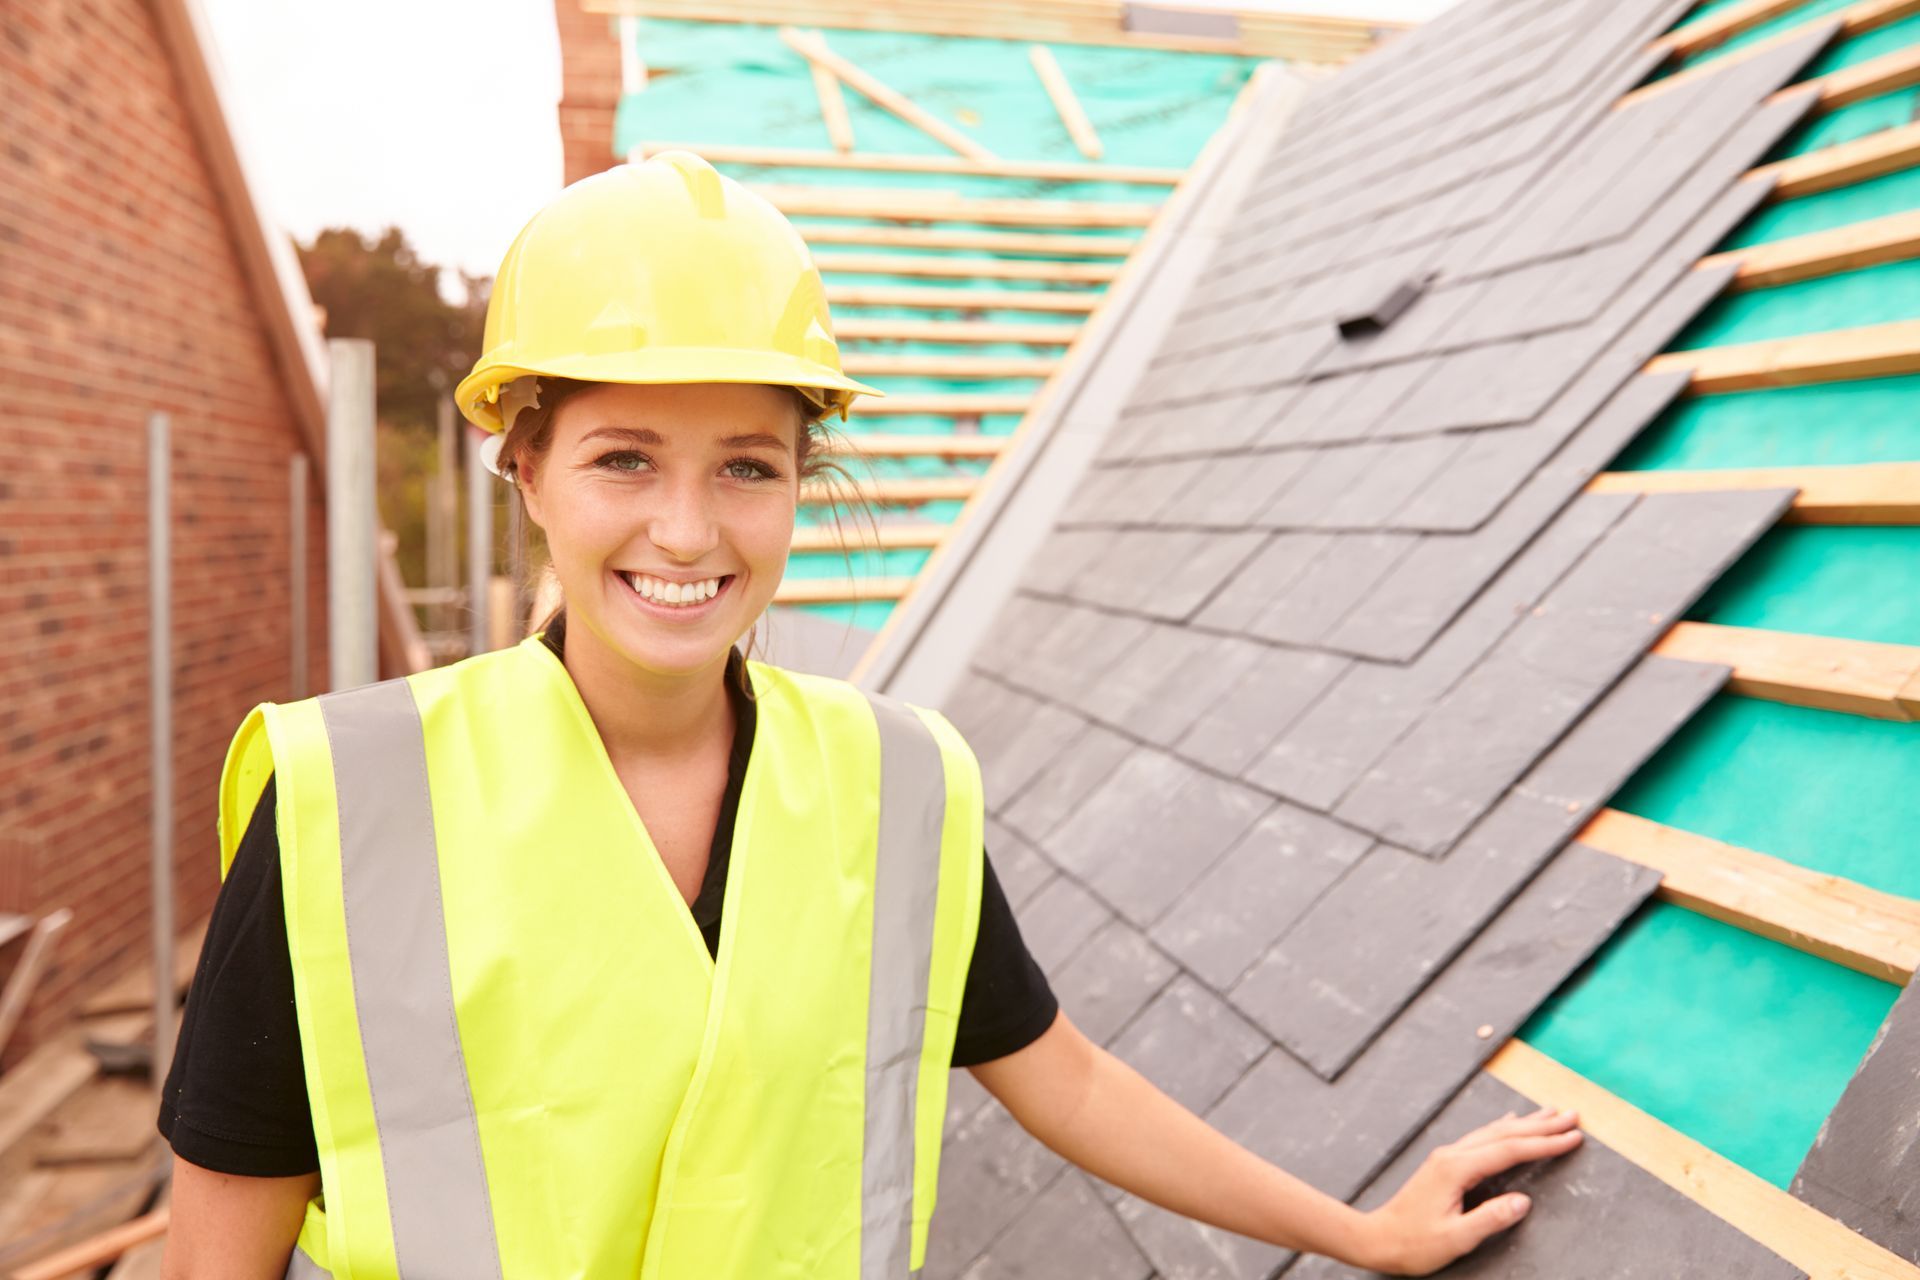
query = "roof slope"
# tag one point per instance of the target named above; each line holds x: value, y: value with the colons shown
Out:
x: 1296, y: 722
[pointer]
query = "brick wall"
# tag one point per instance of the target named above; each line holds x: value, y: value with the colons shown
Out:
x: 590, y: 88
x: 120, y: 294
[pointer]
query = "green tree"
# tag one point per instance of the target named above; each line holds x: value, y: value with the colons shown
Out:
x: 380, y: 289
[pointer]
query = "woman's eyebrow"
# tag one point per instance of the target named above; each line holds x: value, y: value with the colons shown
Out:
x: 642, y: 435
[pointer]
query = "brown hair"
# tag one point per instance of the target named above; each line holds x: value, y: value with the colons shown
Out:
x: 815, y: 444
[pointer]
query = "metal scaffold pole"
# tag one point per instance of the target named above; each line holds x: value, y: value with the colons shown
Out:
x: 479, y: 546
x: 353, y: 638
x: 160, y: 676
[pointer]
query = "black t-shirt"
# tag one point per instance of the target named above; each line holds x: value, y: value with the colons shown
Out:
x: 235, y: 1099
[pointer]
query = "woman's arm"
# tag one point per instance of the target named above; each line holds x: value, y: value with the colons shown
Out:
x: 1101, y: 1114
x: 231, y: 1228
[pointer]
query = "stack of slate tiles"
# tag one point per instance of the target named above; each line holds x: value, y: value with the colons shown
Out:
x: 1294, y: 714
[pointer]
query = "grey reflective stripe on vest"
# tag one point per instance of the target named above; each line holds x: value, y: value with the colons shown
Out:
x: 913, y: 801
x: 301, y: 1267
x: 402, y: 988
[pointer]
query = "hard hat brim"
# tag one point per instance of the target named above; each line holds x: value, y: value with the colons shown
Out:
x: 478, y: 393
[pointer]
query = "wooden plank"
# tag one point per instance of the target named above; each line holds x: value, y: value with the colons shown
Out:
x: 27, y: 973
x: 907, y: 204
x: 857, y: 534
x: 860, y: 365
x: 890, y: 162
x: 1888, y: 73
x: 1039, y: 335
x: 1861, y: 17
x: 132, y: 991
x: 892, y: 264
x: 1818, y: 1245
x: 39, y: 1083
x: 1876, y: 351
x: 814, y: 49
x: 1873, y: 156
x: 1052, y: 244
x: 1895, y: 238
x: 838, y: 590
x: 96, y: 1252
x: 940, y: 298
x: 1721, y: 26
x: 1858, y: 677
x: 1295, y: 37
x: 110, y: 1121
x: 958, y: 405
x: 1861, y: 493
x: 142, y: 1261
x: 1829, y: 916
x: 877, y: 445
x: 833, y: 104
x: 906, y: 491
x: 1072, y: 114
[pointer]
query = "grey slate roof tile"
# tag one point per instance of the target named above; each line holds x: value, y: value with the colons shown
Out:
x: 1268, y: 572
x: 1028, y: 734
x: 1336, y: 581
x: 1594, y: 624
x: 990, y: 1172
x: 1151, y: 829
x: 1864, y: 1166
x: 1251, y: 896
x: 1478, y: 480
x: 1362, y: 1120
x: 1670, y: 1234
x: 1322, y: 483
x: 1066, y: 1230
x: 1019, y: 867
x: 1058, y: 788
x: 1110, y: 980
x: 1058, y: 919
x: 1428, y: 589
x: 1327, y: 750
x: 1190, y: 1043
x: 1364, y: 949
x: 1197, y: 669
x: 1234, y: 488
x: 1182, y: 1249
x: 1278, y: 687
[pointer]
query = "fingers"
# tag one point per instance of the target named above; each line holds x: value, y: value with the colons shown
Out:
x: 1495, y: 1216
x: 1544, y: 1120
x: 1477, y: 1163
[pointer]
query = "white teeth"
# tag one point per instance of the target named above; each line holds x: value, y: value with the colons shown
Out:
x: 673, y: 593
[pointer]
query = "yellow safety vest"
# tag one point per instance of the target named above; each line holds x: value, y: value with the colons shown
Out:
x: 521, y: 1057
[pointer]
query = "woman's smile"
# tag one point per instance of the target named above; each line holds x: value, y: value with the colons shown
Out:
x: 676, y: 601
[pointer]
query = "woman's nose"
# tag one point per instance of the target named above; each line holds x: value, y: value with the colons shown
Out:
x: 683, y: 524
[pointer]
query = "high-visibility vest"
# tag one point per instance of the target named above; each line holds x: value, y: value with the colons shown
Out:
x: 521, y: 1057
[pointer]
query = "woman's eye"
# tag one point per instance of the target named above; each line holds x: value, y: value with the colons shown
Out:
x: 622, y: 461
x: 749, y: 469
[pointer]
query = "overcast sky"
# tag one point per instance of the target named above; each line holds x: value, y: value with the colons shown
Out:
x: 444, y: 124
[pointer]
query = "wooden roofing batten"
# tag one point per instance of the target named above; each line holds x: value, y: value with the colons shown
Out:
x: 1307, y: 38
x: 1837, y: 919
x: 1823, y: 1248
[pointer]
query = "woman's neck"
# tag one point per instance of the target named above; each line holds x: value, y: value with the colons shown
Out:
x: 645, y: 715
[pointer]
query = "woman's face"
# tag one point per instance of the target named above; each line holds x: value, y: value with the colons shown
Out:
x: 668, y: 511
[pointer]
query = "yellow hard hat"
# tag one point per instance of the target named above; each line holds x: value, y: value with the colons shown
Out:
x: 663, y: 271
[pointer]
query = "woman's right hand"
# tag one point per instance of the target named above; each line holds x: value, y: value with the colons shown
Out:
x: 1426, y: 1225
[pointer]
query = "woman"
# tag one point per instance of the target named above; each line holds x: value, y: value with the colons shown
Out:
x: 615, y: 954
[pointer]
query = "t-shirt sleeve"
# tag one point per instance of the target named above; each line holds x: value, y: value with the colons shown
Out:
x: 1007, y: 1002
x: 235, y: 1100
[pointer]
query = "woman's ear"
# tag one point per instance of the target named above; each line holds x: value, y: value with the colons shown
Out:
x: 526, y: 480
